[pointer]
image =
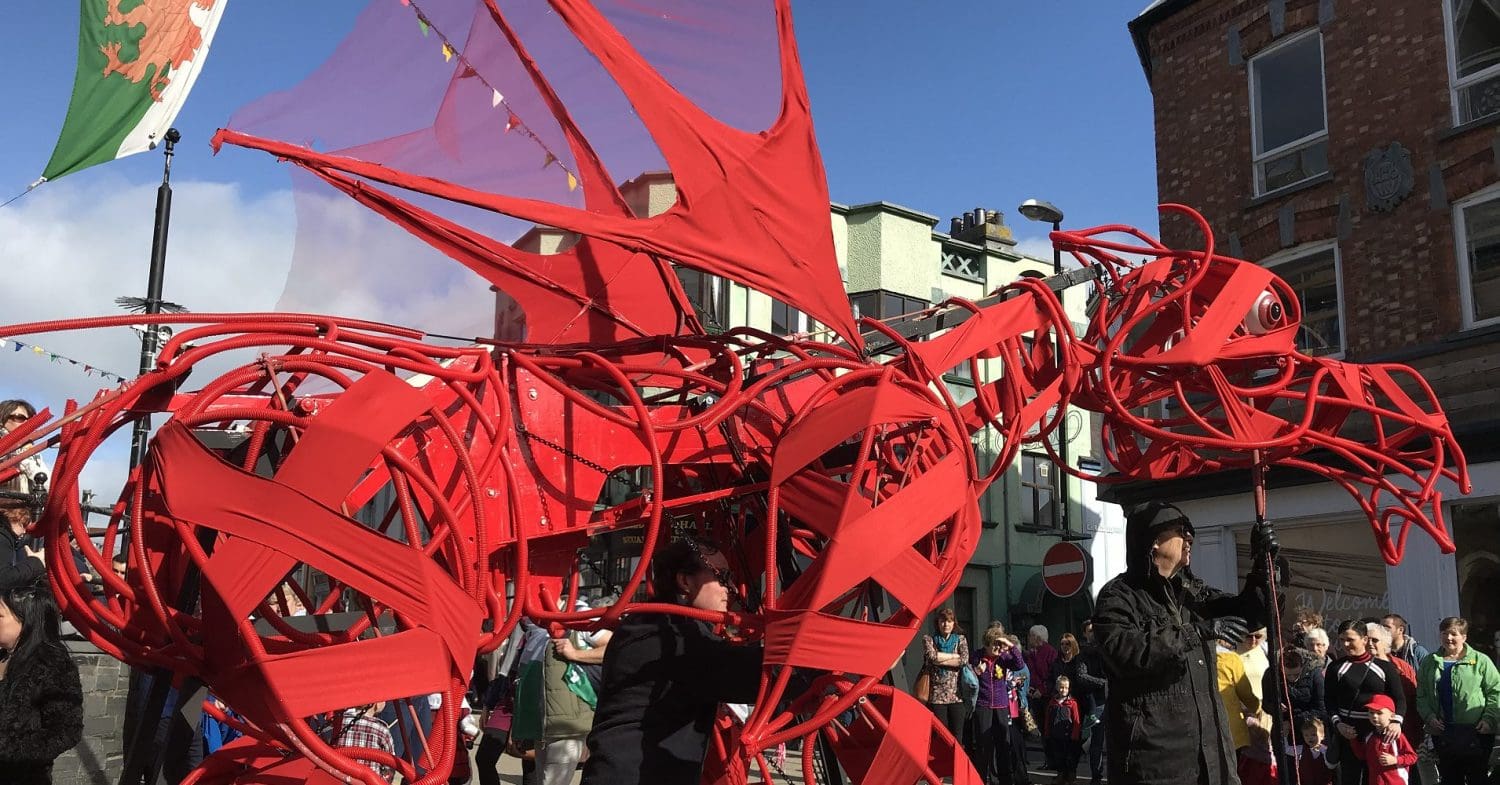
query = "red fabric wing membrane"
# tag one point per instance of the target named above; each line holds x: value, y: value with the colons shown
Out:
x: 751, y: 207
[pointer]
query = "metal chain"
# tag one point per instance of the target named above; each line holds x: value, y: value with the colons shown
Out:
x: 567, y: 453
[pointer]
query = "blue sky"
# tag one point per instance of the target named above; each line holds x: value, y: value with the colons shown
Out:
x: 941, y: 107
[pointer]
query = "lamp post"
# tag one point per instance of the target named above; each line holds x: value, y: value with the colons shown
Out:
x: 1046, y: 212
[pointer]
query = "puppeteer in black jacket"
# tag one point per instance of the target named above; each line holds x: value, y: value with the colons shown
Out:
x: 1164, y: 722
x: 664, y: 678
x: 41, y: 715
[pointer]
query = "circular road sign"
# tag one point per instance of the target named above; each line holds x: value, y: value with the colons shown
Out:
x: 1065, y: 569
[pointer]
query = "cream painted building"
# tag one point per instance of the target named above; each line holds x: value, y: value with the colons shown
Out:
x: 894, y: 260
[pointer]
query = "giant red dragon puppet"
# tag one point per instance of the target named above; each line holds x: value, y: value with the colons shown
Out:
x: 441, y: 493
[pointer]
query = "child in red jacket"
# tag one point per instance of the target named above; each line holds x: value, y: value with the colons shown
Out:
x: 1387, y: 761
x: 1063, y: 730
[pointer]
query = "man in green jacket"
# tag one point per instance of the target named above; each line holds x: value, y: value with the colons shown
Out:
x: 1458, y: 691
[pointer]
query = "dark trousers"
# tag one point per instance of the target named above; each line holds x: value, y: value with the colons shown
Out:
x: 1351, y: 770
x: 487, y: 759
x: 1062, y: 751
x: 1096, y: 748
x: 952, y: 716
x: 1466, y: 769
x: 992, y: 739
x: 1018, y: 773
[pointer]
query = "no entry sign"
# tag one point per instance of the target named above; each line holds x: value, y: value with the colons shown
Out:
x: 1065, y: 569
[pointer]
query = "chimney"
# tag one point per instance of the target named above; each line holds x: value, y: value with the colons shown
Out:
x: 982, y: 226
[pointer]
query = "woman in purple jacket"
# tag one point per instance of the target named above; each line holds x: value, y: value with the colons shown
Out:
x: 994, y: 663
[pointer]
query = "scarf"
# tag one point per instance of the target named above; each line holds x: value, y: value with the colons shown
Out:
x: 947, y: 644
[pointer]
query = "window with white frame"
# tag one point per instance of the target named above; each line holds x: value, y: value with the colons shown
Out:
x: 1288, y: 117
x: 1474, y: 51
x: 1477, y: 224
x: 1314, y: 275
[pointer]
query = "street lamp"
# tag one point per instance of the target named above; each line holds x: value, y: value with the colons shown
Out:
x: 1046, y: 212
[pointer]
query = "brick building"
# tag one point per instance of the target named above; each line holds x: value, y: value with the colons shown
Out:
x: 1353, y: 147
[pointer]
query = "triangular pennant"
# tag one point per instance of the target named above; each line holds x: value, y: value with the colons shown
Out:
x: 17, y: 347
x: 549, y: 160
x: 496, y: 98
x: 36, y: 349
x: 468, y: 72
x: 511, y: 121
x: 572, y: 182
x: 447, y: 52
x: 422, y: 23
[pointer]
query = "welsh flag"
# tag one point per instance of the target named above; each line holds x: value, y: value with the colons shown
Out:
x: 137, y: 60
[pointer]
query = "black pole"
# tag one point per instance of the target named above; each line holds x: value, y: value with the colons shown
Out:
x: 1062, y: 439
x: 153, y: 285
x: 1280, y: 706
x: 142, y: 755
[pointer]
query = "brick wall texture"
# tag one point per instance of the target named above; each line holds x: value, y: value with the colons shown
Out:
x: 1386, y: 77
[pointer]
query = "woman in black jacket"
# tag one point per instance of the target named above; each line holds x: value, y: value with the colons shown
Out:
x: 41, y: 699
x: 1155, y: 626
x: 1348, y: 684
x: 665, y: 676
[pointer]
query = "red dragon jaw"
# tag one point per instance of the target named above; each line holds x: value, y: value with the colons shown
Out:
x: 1210, y: 341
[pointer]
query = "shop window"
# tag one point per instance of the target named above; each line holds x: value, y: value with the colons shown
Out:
x: 1476, y: 533
x: 1337, y: 569
x: 1315, y: 276
x: 1473, y: 28
x: 1477, y: 223
x: 880, y: 304
x: 709, y: 295
x: 1038, y: 491
x: 786, y: 320
x: 1288, y: 119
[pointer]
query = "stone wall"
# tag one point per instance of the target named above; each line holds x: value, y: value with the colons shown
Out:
x: 98, y: 759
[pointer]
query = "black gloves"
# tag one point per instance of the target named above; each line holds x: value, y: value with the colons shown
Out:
x: 1263, y: 544
x: 1231, y: 629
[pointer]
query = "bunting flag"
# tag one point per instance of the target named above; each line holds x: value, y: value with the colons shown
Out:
x: 135, y: 69
x: 88, y: 370
x: 497, y: 98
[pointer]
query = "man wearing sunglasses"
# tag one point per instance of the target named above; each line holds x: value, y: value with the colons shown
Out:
x: 1155, y: 626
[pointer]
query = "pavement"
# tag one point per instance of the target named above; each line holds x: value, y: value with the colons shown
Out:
x: 791, y: 771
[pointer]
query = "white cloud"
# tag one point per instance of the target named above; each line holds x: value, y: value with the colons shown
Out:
x: 1035, y: 247
x: 68, y: 251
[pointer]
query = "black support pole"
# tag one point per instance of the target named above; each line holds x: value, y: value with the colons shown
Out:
x: 153, y: 284
x: 143, y: 756
x: 1064, y: 480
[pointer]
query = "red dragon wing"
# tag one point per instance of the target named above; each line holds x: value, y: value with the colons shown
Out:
x: 751, y: 207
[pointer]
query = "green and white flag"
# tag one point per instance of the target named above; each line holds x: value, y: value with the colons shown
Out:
x: 137, y: 60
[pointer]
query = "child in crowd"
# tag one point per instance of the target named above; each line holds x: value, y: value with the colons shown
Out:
x: 1063, y: 730
x: 1386, y: 761
x: 1257, y: 764
x: 1313, y: 766
x: 362, y: 728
